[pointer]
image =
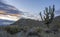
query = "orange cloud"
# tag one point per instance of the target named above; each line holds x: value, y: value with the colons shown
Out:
x: 2, y: 12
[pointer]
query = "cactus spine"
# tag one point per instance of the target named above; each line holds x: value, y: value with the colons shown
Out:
x: 48, y: 15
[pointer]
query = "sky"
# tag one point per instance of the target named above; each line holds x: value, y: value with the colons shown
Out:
x: 33, y: 6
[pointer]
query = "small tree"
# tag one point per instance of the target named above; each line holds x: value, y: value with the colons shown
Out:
x: 48, y: 15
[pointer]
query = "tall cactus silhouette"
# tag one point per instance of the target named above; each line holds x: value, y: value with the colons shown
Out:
x: 48, y: 15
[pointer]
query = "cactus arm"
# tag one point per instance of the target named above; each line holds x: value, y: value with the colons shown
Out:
x: 41, y: 16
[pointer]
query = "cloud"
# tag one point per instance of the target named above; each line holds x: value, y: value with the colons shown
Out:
x: 8, y: 17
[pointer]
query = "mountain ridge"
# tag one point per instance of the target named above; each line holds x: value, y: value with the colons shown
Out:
x: 28, y: 22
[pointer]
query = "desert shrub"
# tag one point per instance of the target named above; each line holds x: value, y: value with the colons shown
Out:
x: 13, y: 29
x: 38, y: 29
x: 58, y: 24
x: 34, y: 34
x: 25, y: 28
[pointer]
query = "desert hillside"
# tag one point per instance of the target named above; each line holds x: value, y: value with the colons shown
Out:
x: 29, y: 25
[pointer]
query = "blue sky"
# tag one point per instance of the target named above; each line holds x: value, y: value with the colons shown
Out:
x: 33, y: 6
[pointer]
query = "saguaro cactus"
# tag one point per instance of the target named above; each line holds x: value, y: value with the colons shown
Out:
x: 48, y: 15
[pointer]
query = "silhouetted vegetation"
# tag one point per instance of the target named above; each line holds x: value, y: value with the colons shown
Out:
x: 38, y: 29
x: 13, y: 29
x: 48, y: 15
x: 25, y: 28
x: 33, y: 34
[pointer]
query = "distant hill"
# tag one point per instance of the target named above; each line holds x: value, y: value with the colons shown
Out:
x: 56, y: 21
x: 57, y: 18
x: 29, y: 22
x: 5, y: 22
